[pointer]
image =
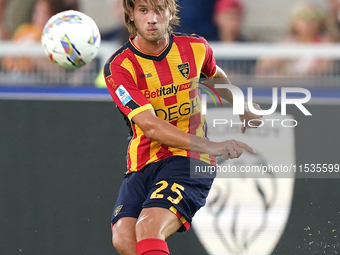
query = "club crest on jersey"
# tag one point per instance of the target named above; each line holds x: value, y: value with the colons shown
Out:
x: 184, y: 69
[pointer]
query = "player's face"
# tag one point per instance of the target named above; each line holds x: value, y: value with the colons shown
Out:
x: 152, y: 22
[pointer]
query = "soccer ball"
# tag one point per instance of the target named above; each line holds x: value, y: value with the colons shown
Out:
x: 71, y: 39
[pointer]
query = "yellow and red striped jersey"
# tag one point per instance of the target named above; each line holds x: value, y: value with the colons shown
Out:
x: 138, y: 81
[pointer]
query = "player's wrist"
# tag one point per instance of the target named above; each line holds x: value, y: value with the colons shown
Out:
x: 207, y: 147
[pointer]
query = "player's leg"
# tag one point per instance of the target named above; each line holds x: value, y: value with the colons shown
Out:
x: 132, y: 194
x: 154, y: 225
x: 156, y: 222
x: 170, y: 205
x: 124, y: 236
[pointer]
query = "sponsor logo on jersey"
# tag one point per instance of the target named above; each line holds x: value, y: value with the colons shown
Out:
x: 147, y: 75
x: 123, y: 95
x: 179, y: 110
x: 166, y: 90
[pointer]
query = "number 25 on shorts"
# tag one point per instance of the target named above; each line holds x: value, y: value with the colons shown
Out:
x: 175, y: 188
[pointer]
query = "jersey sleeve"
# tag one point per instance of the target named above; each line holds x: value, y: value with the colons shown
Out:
x: 209, y: 65
x: 124, y: 91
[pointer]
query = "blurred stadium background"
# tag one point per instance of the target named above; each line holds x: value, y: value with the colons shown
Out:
x: 62, y: 142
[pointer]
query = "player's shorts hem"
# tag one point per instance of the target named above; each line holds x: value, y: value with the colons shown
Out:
x: 185, y: 224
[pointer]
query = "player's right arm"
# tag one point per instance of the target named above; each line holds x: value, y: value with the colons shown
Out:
x: 121, y: 83
x: 159, y: 130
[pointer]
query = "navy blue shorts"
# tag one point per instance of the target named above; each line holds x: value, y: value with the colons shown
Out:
x: 166, y: 184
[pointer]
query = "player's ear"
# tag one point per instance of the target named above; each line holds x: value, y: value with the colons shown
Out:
x: 170, y: 17
x: 131, y: 14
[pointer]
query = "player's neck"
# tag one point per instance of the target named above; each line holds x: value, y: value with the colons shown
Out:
x: 146, y: 46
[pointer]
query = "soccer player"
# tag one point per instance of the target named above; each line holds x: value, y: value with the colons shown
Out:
x: 149, y: 80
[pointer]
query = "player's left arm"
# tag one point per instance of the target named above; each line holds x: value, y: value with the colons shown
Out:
x: 223, y: 79
x: 227, y: 95
x: 211, y: 70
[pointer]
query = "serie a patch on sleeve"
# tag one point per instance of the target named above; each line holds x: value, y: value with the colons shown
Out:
x: 123, y: 95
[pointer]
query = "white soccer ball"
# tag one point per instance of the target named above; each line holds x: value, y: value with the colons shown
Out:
x: 71, y: 39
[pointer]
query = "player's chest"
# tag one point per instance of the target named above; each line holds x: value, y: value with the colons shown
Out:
x: 166, y: 78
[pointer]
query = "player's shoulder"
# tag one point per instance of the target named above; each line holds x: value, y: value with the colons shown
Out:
x: 189, y: 38
x: 116, y: 58
x: 118, y: 55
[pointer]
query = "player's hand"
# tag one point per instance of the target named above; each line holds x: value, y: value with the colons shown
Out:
x: 248, y: 115
x: 228, y: 149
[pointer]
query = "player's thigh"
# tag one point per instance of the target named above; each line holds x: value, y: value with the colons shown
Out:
x: 131, y: 196
x: 176, y: 191
x: 156, y: 222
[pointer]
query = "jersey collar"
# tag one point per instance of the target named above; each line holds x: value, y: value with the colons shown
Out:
x: 154, y: 57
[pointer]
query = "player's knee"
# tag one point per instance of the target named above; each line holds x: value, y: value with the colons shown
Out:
x: 146, y: 228
x: 117, y: 243
x: 157, y: 223
x: 123, y: 241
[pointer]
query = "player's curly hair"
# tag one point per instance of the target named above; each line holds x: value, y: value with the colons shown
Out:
x: 129, y: 5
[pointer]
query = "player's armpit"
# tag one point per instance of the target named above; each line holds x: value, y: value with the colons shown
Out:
x: 227, y: 95
x: 223, y: 79
x: 221, y: 74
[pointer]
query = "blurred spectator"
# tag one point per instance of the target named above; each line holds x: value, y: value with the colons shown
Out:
x: 43, y: 10
x: 71, y: 4
x: 194, y: 12
x: 333, y: 19
x: 13, y: 13
x: 307, y: 26
x: 228, y: 17
x: 31, y: 32
x: 119, y: 32
x: 4, y: 34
